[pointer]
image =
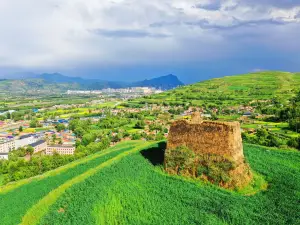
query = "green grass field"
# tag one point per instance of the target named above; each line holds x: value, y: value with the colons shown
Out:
x: 126, y: 185
x: 232, y: 90
x: 23, y: 194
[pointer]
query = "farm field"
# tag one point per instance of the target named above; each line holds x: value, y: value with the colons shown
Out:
x: 232, y: 90
x: 126, y: 185
x: 26, y: 193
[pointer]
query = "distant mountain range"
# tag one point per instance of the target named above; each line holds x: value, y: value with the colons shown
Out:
x: 47, y: 83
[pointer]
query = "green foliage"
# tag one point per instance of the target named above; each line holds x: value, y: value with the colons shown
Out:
x: 266, y: 138
x: 88, y: 138
x: 155, y: 127
x: 28, y: 194
x: 136, y: 136
x: 34, y: 123
x: 134, y: 192
x: 16, y: 168
x: 20, y: 129
x: 60, y: 127
x: 140, y: 124
x: 29, y: 150
x: 231, y: 90
x: 180, y: 160
x: 113, y: 122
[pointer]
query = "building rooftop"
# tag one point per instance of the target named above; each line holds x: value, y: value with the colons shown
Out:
x: 25, y: 136
x: 61, y: 146
x: 3, y: 153
x: 2, y: 141
x: 37, y: 143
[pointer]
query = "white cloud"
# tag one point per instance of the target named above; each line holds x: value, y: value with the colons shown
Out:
x: 53, y: 33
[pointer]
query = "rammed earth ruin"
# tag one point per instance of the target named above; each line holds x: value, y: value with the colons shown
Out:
x: 217, y: 151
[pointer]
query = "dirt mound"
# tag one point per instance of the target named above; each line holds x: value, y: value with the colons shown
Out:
x: 217, y: 152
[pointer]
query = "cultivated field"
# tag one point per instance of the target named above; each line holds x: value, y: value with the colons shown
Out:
x: 232, y: 90
x: 126, y: 185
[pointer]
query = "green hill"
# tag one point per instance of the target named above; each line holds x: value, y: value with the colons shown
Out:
x: 34, y: 86
x: 125, y: 185
x: 233, y: 90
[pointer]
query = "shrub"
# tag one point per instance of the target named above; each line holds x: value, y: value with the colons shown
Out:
x: 180, y: 160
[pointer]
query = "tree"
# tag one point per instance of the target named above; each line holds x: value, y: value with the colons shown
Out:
x: 87, y: 139
x: 214, y: 116
x: 293, y: 142
x: 155, y: 127
x: 140, y: 124
x: 159, y: 137
x: 20, y: 129
x: 74, y: 124
x: 29, y: 150
x: 116, y: 138
x: 79, y: 132
x: 179, y: 159
x: 60, y: 127
x: 136, y: 136
x: 33, y: 123
x: 54, y: 138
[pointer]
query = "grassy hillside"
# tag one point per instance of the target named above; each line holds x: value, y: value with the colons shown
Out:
x: 234, y: 90
x: 125, y: 185
x: 34, y: 86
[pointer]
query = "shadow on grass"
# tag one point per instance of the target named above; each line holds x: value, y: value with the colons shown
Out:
x: 155, y: 155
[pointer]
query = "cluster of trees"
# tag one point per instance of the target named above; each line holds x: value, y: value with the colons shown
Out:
x: 140, y: 124
x: 17, y: 168
x: 281, y: 113
x: 60, y: 127
x: 18, y: 115
x: 266, y: 138
x: 113, y: 122
x: 34, y: 123
x: 21, y: 152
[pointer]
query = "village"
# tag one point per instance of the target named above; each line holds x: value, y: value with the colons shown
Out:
x: 45, y: 139
x: 47, y: 131
x: 121, y: 93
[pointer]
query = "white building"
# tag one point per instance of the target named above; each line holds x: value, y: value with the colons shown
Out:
x: 39, y: 146
x: 26, y: 140
x: 7, y: 145
x: 3, y: 156
x: 60, y: 149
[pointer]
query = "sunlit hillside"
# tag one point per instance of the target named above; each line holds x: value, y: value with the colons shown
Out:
x: 233, y: 90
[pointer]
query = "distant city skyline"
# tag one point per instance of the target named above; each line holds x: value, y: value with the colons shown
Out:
x: 135, y: 40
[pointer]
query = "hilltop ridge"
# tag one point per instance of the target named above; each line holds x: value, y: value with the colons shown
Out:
x: 234, y: 90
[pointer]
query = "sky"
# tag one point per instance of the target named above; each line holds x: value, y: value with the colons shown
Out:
x: 136, y: 39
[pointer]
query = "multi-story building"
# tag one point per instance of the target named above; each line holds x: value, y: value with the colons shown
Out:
x: 7, y: 145
x: 26, y: 140
x: 39, y: 146
x: 60, y: 149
